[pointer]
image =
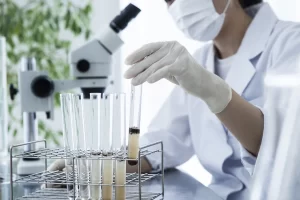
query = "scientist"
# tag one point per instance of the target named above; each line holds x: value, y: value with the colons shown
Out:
x: 216, y: 110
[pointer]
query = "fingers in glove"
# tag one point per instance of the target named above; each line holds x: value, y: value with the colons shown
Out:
x: 57, y: 165
x: 166, y: 72
x: 143, y: 52
x: 143, y: 65
x: 172, y: 79
x: 142, y: 77
x: 52, y: 186
x: 159, y: 74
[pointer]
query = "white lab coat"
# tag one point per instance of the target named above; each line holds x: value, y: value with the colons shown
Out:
x: 187, y: 127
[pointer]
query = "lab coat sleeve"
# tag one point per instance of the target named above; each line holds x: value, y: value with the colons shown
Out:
x: 171, y: 126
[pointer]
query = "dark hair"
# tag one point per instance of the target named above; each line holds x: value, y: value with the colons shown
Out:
x: 248, y: 3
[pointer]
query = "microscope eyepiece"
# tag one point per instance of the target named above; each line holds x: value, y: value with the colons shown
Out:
x: 121, y: 21
x: 42, y: 86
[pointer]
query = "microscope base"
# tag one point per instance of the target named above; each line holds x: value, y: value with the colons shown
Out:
x: 27, y: 167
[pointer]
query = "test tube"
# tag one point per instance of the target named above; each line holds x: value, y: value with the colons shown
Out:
x: 119, y: 144
x: 3, y: 99
x: 92, y: 129
x: 134, y: 124
x: 106, y: 145
x: 69, y: 140
x: 79, y: 131
x: 276, y: 168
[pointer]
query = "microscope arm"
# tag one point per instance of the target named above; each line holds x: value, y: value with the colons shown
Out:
x: 64, y: 85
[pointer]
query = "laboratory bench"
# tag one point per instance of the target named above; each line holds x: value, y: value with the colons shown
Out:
x: 178, y: 186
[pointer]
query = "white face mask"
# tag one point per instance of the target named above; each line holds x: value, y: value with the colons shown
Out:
x: 198, y: 19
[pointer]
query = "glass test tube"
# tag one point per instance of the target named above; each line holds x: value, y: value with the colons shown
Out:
x: 94, y: 141
x: 134, y: 123
x: 276, y: 159
x: 79, y: 131
x: 3, y: 99
x: 69, y: 139
x: 119, y: 144
x: 284, y: 174
x: 106, y: 145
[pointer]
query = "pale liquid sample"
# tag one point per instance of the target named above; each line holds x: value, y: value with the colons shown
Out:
x: 133, y: 145
x: 69, y: 173
x: 95, y: 190
x: 83, y: 178
x: 107, y: 175
x: 120, y: 180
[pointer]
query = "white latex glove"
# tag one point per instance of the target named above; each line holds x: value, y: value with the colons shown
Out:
x: 58, y: 165
x: 172, y: 61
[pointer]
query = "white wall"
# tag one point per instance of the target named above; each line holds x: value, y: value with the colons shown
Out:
x: 286, y: 9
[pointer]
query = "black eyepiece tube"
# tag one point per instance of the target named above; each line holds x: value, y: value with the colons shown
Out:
x: 121, y: 21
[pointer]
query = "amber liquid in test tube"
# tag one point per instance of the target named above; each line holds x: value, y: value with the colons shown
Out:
x: 134, y: 124
x: 106, y: 146
x: 119, y: 145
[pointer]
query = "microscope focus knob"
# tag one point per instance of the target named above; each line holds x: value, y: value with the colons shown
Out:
x: 42, y: 86
x: 12, y: 91
x: 83, y: 66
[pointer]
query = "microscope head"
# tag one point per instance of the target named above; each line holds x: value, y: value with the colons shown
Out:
x: 93, y: 60
x: 91, y: 66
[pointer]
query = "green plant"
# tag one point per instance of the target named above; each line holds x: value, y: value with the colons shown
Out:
x: 32, y: 28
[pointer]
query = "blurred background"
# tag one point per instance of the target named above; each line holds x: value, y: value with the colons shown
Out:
x: 48, y: 30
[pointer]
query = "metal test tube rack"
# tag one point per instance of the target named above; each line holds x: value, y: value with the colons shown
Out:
x: 134, y: 181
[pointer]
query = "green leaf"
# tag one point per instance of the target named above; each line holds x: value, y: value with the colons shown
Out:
x: 74, y: 26
x: 87, y: 9
x: 48, y: 14
x: 41, y: 125
x: 47, y: 135
x: 10, y: 108
x: 57, y: 99
x: 87, y: 34
x: 56, y: 20
x: 15, y: 132
x: 55, y: 140
x: 67, y: 19
x: 9, y: 127
x: 34, y: 29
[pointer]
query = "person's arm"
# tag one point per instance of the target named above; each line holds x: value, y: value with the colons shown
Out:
x: 172, y: 61
x: 244, y: 121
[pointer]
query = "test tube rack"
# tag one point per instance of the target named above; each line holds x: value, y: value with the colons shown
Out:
x: 133, y: 184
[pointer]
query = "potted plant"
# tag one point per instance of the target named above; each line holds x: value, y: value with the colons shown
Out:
x: 32, y: 28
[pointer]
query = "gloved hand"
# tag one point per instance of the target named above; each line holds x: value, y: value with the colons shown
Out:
x: 172, y: 61
x: 58, y: 165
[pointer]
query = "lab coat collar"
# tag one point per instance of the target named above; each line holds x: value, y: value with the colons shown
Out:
x: 258, y: 33
x: 254, y: 42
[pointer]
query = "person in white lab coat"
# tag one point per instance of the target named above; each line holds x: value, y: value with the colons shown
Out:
x: 217, y: 109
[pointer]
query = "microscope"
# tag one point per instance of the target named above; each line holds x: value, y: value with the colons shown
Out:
x: 90, y: 67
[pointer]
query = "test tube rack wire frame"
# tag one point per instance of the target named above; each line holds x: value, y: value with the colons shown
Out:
x: 60, y: 154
